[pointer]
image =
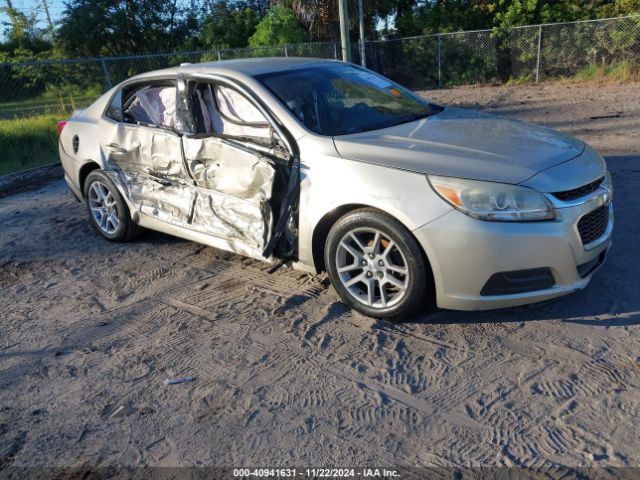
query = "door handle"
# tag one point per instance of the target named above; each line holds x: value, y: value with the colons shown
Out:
x: 117, y: 148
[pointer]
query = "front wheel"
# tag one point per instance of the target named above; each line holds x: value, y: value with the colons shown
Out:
x: 108, y: 212
x: 376, y: 265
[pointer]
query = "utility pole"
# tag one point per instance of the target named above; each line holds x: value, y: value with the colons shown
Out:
x: 343, y: 10
x: 363, y: 57
x: 46, y: 11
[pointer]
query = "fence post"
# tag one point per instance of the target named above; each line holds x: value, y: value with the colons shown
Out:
x: 439, y: 64
x: 335, y: 51
x: 286, y: 52
x: 374, y: 48
x: 219, y: 56
x: 105, y: 71
x: 538, y: 58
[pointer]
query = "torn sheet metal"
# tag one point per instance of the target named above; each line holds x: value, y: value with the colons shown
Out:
x: 137, y: 148
x: 204, y: 184
x: 234, y: 189
x: 160, y: 198
x: 229, y: 168
x: 242, y: 223
x: 244, y: 226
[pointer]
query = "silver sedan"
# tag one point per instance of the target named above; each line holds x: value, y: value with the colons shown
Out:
x: 322, y: 165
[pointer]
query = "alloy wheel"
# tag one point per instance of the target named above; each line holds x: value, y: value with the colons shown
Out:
x: 372, y: 267
x: 103, y: 208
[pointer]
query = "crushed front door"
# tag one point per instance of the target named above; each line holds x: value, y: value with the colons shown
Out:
x: 234, y: 185
x: 244, y: 178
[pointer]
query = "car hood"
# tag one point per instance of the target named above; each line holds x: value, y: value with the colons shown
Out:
x: 463, y: 143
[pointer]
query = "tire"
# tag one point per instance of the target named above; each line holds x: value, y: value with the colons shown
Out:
x: 108, y: 212
x: 376, y: 265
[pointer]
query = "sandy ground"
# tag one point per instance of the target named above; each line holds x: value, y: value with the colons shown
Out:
x: 606, y: 115
x: 284, y: 374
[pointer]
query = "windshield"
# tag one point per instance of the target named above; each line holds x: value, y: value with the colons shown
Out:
x: 338, y: 99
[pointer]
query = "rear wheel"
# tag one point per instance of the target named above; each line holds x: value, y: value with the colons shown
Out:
x: 376, y: 265
x: 108, y: 213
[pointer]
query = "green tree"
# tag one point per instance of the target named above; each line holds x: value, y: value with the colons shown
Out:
x: 278, y: 27
x: 228, y: 27
x: 320, y: 17
x: 21, y: 32
x: 113, y: 27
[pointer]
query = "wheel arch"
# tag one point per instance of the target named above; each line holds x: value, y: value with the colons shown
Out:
x: 84, y: 172
x: 322, y: 228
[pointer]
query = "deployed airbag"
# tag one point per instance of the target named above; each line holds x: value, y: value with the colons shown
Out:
x: 154, y: 105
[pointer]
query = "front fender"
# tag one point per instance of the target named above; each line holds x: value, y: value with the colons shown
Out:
x: 331, y: 182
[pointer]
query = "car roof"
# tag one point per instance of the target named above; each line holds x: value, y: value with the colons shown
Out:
x: 243, y: 66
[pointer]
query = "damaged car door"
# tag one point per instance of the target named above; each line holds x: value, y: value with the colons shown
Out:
x: 239, y: 174
x: 143, y: 152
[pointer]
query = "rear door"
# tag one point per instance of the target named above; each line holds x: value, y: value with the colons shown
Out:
x: 143, y: 153
x: 240, y: 170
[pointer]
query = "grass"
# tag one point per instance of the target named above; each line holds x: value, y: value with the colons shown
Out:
x: 618, y: 72
x: 521, y: 80
x: 28, y: 134
x: 28, y: 142
x: 40, y: 105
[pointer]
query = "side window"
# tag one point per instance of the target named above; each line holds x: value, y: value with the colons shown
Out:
x: 151, y: 105
x: 114, y: 111
x: 225, y: 111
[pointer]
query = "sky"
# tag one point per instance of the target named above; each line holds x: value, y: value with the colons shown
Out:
x: 56, y: 7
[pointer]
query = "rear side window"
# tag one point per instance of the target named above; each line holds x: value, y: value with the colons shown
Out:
x: 114, y: 111
x: 150, y: 105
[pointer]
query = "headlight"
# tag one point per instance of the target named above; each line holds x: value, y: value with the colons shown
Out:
x: 493, y: 201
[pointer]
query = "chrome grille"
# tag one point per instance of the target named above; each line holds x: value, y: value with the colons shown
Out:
x: 569, y: 195
x: 593, y: 225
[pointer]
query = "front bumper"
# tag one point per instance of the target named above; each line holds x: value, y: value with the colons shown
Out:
x: 465, y: 253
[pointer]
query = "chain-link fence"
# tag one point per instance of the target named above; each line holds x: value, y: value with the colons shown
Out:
x: 528, y: 53
x: 36, y: 87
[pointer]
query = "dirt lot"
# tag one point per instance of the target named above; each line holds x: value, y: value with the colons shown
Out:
x: 606, y: 115
x: 283, y: 374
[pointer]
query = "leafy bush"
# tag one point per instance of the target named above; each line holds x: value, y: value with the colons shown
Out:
x: 278, y: 27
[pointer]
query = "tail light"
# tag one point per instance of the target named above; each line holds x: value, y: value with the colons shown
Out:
x: 61, y: 125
